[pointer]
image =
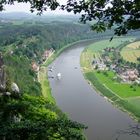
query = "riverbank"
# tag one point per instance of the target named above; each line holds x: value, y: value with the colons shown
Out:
x: 58, y: 52
x: 43, y: 76
x: 100, y: 83
x: 45, y: 86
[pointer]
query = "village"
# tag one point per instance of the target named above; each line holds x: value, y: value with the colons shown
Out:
x: 45, y: 56
x: 110, y: 60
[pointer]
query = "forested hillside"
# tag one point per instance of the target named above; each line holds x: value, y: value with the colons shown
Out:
x: 24, y: 113
x: 22, y: 44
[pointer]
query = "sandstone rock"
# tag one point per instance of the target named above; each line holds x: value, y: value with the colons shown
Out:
x: 8, y: 93
x: 15, y: 88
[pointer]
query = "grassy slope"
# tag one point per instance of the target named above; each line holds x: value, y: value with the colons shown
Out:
x: 131, y: 52
x: 115, y: 91
x: 45, y: 86
x: 98, y: 46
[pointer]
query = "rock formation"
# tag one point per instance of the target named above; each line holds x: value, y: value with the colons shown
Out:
x: 2, y: 74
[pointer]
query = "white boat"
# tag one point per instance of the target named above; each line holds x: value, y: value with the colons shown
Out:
x: 59, y: 75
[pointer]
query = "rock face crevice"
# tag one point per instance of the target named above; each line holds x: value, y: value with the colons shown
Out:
x: 6, y: 88
x: 2, y: 74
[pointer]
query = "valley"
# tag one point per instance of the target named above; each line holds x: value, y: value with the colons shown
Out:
x: 98, y: 83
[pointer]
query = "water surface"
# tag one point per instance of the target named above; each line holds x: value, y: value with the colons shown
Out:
x: 80, y: 101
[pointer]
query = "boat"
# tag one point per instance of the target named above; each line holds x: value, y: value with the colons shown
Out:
x: 59, y: 76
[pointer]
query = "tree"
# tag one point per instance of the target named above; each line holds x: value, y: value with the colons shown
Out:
x: 123, y: 14
x: 33, y: 118
x: 138, y: 59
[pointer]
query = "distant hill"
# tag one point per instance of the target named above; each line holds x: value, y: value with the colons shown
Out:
x: 45, y: 18
x: 15, y: 15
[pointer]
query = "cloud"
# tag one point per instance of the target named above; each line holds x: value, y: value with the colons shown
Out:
x: 17, y: 7
x: 25, y: 7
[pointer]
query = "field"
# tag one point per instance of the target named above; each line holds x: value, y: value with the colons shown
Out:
x: 121, y: 89
x: 86, y: 58
x: 95, y: 48
x: 99, y: 46
x: 123, y: 95
x: 135, y: 101
x: 131, y: 52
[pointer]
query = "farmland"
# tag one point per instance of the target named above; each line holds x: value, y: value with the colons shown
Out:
x: 124, y: 95
x: 122, y: 90
x: 99, y: 46
x: 131, y: 52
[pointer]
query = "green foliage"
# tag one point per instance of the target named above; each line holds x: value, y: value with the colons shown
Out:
x: 105, y: 73
x: 27, y: 42
x: 99, y: 27
x: 33, y: 118
x: 124, y: 14
x: 18, y: 70
x: 31, y: 40
x: 29, y: 117
x: 138, y: 59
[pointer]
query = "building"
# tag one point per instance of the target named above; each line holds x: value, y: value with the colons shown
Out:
x: 35, y: 67
x: 129, y: 75
x: 47, y: 53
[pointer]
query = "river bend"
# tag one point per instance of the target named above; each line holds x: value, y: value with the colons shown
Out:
x: 80, y: 101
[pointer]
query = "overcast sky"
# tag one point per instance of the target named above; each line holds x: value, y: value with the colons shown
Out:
x: 25, y: 7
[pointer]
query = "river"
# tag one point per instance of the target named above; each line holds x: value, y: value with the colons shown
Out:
x: 82, y: 103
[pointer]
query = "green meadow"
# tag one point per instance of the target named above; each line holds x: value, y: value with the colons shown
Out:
x: 99, y: 46
x: 121, y: 89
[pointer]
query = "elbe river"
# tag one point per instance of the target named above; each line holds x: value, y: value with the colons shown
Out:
x: 82, y: 103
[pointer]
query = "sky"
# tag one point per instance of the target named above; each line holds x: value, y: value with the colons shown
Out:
x: 25, y: 7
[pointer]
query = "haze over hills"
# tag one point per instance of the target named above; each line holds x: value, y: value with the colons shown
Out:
x: 29, y: 16
x: 28, y: 43
x: 15, y: 15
